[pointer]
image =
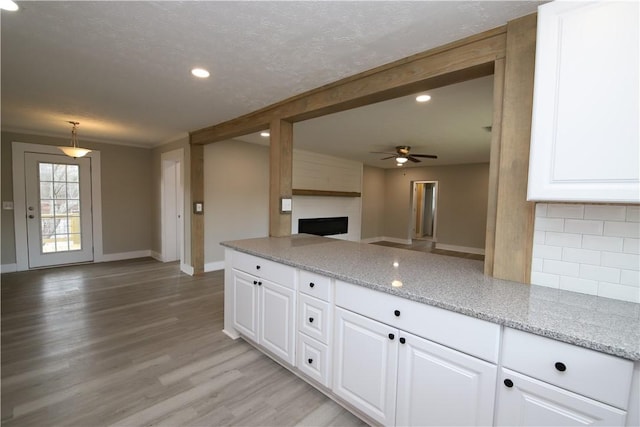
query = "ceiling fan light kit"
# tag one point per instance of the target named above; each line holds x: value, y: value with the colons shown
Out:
x: 74, y: 150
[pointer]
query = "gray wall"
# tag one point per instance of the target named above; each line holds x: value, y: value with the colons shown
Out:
x: 462, y: 202
x: 236, y: 195
x: 126, y: 199
x: 373, y: 200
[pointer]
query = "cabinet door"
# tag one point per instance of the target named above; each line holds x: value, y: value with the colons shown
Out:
x: 584, y: 135
x: 277, y: 314
x: 524, y: 401
x: 245, y: 304
x: 365, y: 365
x: 440, y: 386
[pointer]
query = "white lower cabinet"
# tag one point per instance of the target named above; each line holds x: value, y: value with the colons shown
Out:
x: 524, y: 401
x: 264, y: 312
x: 438, y: 386
x: 401, y: 379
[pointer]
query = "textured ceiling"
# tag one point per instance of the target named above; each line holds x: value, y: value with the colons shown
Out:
x: 122, y: 68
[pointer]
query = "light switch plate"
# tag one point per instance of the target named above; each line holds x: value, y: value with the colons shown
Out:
x: 285, y: 205
x: 8, y: 206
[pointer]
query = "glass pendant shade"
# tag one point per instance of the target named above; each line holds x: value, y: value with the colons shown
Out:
x: 73, y: 150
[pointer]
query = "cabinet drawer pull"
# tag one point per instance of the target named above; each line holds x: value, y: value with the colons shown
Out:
x: 311, y: 284
x: 310, y: 319
x: 391, y: 336
x: 257, y: 267
x: 561, y: 366
x: 397, y: 313
x: 402, y: 340
x: 508, y: 383
x: 310, y: 361
x: 259, y: 283
x: 255, y: 282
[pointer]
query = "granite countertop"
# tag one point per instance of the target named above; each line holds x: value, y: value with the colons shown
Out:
x: 457, y: 284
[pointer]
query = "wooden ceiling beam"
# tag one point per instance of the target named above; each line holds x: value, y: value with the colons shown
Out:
x: 462, y: 60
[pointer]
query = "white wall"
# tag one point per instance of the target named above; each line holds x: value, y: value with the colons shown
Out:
x: 591, y: 249
x: 236, y: 196
x: 312, y: 171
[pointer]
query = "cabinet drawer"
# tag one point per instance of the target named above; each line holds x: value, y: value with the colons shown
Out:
x: 313, y: 359
x: 273, y: 271
x: 314, y: 318
x: 467, y: 334
x: 315, y: 285
x: 593, y: 374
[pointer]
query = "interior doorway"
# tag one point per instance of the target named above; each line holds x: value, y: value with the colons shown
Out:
x: 172, y: 195
x: 424, y: 210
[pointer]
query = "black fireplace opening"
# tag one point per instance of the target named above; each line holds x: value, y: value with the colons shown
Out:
x: 324, y: 226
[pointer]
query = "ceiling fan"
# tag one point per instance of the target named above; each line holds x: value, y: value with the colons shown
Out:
x: 402, y: 155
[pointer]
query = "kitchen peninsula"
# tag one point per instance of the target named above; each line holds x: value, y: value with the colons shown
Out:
x: 335, y: 312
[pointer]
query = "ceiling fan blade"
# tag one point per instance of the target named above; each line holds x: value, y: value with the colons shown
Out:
x: 428, y: 156
x: 413, y: 159
x: 390, y: 157
x: 381, y: 152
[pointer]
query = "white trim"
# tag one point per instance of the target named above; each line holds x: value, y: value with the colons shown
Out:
x: 455, y: 248
x: 157, y: 256
x: 8, y: 268
x: 126, y: 255
x: 214, y: 266
x: 187, y: 269
x: 176, y: 156
x: 19, y: 200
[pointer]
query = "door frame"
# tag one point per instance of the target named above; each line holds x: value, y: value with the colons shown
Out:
x: 412, y: 207
x: 19, y: 200
x: 174, y: 156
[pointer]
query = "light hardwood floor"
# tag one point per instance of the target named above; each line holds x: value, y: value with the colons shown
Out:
x: 139, y: 343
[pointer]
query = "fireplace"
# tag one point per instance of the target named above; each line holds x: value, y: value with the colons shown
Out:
x: 324, y: 226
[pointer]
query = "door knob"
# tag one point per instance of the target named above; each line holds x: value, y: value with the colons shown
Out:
x: 31, y: 216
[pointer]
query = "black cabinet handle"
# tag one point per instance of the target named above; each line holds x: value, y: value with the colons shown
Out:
x: 391, y: 336
x: 310, y: 319
x: 257, y: 267
x: 508, y: 383
x: 397, y: 313
x: 311, y: 284
x: 259, y: 283
x: 561, y: 366
x: 255, y: 282
x: 402, y: 340
x: 310, y: 361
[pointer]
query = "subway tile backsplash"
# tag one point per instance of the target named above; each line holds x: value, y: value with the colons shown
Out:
x: 592, y: 249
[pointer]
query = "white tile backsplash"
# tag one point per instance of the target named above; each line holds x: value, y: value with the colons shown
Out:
x: 592, y: 249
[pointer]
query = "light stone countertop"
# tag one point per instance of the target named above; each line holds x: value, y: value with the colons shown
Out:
x: 459, y: 285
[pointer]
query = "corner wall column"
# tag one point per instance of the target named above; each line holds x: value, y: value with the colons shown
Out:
x: 280, y: 176
x: 197, y: 220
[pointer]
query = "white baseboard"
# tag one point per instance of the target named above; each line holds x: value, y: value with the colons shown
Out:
x: 9, y: 268
x: 124, y: 255
x: 214, y: 266
x: 371, y: 240
x: 187, y: 269
x: 157, y: 256
x: 455, y: 248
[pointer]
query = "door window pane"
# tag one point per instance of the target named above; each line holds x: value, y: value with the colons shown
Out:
x: 60, y: 224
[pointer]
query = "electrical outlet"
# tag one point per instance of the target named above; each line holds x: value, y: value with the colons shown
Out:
x: 8, y: 206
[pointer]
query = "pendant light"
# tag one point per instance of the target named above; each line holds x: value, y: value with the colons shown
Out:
x: 73, y: 150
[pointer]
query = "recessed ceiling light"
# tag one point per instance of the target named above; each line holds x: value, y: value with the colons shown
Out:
x: 423, y: 98
x: 8, y: 5
x: 264, y: 134
x: 200, y: 72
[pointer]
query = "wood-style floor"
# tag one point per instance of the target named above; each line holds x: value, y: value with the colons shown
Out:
x: 135, y: 343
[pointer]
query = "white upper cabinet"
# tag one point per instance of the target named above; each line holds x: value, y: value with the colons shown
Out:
x: 584, y: 138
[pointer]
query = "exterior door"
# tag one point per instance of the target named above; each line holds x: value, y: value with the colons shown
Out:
x: 58, y: 207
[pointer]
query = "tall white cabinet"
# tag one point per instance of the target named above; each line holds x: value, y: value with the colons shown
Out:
x: 585, y: 143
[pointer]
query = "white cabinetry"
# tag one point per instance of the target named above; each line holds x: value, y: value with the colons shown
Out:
x: 546, y: 382
x: 314, y: 327
x: 584, y: 137
x: 263, y: 304
x: 399, y: 378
